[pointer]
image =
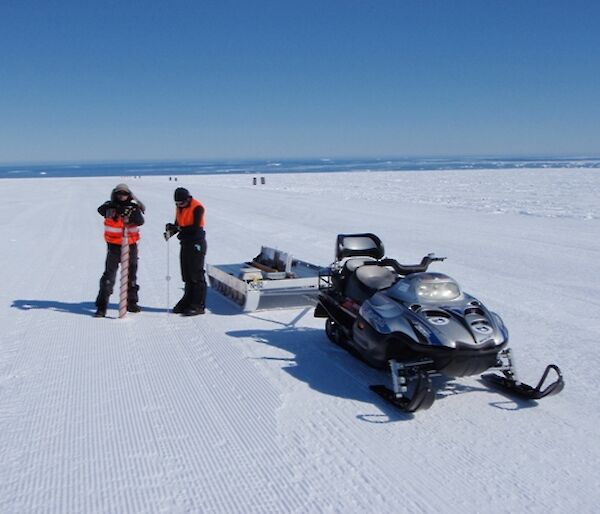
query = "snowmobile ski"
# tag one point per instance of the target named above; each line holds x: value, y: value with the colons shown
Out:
x: 421, y: 400
x: 525, y: 391
x: 412, y: 388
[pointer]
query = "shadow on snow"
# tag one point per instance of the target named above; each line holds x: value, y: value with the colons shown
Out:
x: 331, y: 370
x: 324, y: 367
x: 83, y: 308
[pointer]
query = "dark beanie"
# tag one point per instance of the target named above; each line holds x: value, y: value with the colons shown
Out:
x: 181, y: 194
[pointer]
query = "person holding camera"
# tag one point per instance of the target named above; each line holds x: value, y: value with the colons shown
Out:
x: 122, y: 209
x: 189, y: 227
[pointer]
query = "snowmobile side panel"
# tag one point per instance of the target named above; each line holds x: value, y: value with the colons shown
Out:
x: 371, y: 344
x: 342, y: 316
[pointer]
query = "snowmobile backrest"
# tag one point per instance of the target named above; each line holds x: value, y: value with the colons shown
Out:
x: 358, y: 245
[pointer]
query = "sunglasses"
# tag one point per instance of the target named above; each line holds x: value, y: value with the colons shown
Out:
x: 181, y: 203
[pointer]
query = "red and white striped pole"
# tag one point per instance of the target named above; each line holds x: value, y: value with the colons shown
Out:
x: 124, y: 270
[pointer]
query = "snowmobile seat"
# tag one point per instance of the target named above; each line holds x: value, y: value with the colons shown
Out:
x: 367, y: 280
x: 375, y: 277
x: 347, y: 267
x: 352, y: 264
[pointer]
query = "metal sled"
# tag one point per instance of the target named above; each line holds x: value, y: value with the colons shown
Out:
x: 272, y: 280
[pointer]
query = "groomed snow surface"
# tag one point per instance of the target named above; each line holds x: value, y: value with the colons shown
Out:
x: 258, y: 412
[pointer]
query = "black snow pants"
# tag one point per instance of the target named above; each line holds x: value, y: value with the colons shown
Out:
x: 191, y: 258
x: 107, y: 281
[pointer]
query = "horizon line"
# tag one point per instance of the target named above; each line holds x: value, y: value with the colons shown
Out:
x: 523, y: 156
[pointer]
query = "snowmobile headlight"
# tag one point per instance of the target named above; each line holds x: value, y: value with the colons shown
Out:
x: 438, y: 290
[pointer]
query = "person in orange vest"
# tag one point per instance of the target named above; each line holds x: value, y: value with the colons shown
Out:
x: 122, y: 204
x: 189, y: 227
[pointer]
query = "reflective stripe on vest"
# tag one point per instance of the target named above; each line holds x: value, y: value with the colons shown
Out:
x: 113, y: 232
x: 184, y: 216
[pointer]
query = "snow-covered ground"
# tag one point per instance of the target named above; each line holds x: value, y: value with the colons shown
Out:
x: 258, y: 412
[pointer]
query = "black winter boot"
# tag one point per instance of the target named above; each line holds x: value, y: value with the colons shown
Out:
x: 193, y: 310
x: 180, y: 307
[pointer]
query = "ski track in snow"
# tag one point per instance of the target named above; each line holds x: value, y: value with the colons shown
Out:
x: 258, y: 412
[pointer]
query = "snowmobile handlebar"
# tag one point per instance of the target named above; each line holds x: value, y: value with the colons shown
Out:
x: 407, y: 269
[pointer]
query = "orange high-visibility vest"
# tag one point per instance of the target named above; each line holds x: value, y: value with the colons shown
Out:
x: 184, y: 217
x: 113, y: 231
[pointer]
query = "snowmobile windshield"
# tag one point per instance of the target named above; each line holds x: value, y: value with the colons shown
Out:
x: 435, y: 291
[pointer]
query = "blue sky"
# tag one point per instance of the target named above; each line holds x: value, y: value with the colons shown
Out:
x: 109, y: 80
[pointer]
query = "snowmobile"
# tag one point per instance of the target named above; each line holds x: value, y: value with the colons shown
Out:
x: 419, y: 323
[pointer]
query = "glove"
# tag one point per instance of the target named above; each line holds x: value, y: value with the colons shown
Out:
x: 125, y: 210
x: 170, y: 231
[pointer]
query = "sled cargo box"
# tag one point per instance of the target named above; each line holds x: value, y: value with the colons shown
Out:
x: 272, y: 280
